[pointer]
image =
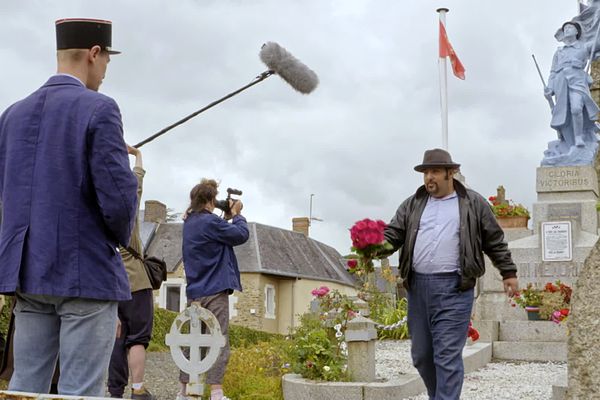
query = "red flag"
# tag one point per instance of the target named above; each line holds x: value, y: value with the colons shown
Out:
x: 446, y: 50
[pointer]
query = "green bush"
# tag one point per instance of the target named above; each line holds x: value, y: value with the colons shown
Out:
x: 240, y: 336
x: 163, y: 319
x: 316, y: 353
x: 255, y: 371
x: 390, y: 315
x: 5, y: 315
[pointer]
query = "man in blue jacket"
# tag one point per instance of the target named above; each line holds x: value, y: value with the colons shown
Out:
x: 69, y: 199
x: 211, y: 268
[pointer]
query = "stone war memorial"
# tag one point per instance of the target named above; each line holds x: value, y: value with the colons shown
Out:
x: 562, y: 243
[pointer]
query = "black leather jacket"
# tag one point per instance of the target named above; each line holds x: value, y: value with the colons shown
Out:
x: 479, y: 233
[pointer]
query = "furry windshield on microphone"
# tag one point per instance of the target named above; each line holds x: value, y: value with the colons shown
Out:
x: 291, y: 70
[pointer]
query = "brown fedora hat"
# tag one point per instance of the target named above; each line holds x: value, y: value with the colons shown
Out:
x: 436, y: 158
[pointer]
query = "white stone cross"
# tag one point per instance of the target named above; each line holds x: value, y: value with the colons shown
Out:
x: 195, y: 340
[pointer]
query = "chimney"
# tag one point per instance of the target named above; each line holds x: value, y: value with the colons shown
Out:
x: 301, y: 224
x: 155, y: 211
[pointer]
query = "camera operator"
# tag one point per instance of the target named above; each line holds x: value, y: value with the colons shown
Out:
x: 211, y: 267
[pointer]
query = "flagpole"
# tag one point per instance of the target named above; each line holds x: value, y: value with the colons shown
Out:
x: 443, y: 86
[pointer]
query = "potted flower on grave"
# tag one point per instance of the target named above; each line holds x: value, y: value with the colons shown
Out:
x: 530, y: 299
x: 552, y: 303
x: 508, y: 213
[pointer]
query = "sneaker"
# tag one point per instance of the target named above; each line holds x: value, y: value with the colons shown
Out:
x: 142, y: 394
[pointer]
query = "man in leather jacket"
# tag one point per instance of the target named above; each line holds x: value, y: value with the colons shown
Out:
x: 443, y: 231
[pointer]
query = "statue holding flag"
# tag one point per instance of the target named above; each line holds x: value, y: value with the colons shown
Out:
x: 574, y: 112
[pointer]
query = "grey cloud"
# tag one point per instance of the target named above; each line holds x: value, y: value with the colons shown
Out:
x: 355, y: 140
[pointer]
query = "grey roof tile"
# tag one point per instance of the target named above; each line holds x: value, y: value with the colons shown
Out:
x: 166, y: 244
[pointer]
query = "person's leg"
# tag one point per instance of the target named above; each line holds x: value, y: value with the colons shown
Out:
x: 118, y: 371
x: 137, y: 362
x: 87, y: 337
x: 452, y: 313
x: 35, y: 343
x: 141, y: 317
x: 184, y: 378
x: 419, y: 329
x: 219, y: 306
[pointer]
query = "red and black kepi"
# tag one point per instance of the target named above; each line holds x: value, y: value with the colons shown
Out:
x: 84, y: 33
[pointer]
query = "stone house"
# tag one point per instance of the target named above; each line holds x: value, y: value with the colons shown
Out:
x: 278, y: 267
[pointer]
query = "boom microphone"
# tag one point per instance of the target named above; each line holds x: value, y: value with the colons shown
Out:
x: 289, y: 68
x: 279, y: 62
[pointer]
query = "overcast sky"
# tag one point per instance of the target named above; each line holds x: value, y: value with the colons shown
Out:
x: 355, y: 140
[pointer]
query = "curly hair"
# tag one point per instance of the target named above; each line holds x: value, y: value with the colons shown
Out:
x: 202, y: 194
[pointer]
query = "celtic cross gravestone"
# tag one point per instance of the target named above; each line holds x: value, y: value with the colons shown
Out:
x: 212, y: 341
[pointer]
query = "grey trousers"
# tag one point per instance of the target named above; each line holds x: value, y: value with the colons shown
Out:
x: 76, y: 329
x: 218, y: 304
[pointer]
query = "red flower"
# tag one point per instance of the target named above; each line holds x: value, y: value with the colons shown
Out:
x: 472, y: 332
x: 564, y: 311
x: 367, y: 232
x: 320, y: 292
x: 352, y: 263
x: 550, y: 288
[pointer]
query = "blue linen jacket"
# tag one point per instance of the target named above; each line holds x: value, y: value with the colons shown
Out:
x: 68, y: 194
x: 208, y: 258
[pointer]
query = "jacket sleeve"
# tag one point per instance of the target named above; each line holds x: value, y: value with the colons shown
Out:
x: 395, y: 232
x: 113, y: 180
x: 493, y: 243
x: 232, y: 234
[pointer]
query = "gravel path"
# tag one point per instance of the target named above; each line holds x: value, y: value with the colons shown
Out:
x: 497, y: 381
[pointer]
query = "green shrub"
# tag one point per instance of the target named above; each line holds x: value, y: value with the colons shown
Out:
x: 390, y: 315
x: 255, y: 371
x: 240, y: 336
x: 162, y: 325
x: 316, y: 352
x: 5, y: 315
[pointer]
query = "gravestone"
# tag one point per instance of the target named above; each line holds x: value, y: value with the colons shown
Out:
x: 212, y: 342
x: 584, y: 336
x: 566, y: 196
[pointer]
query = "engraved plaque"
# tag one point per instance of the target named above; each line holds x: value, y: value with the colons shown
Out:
x: 564, y: 212
x: 556, y: 241
x: 566, y: 179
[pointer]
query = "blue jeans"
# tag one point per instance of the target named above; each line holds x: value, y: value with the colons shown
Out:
x: 81, y: 332
x: 438, y: 321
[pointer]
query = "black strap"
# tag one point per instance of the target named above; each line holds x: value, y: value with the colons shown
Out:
x: 134, y: 253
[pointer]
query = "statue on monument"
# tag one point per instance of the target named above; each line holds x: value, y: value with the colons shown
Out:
x: 574, y: 112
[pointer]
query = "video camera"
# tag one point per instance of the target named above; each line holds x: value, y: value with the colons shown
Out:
x: 223, y: 205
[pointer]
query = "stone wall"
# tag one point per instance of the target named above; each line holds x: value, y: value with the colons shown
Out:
x: 292, y: 298
x: 584, y: 336
x: 249, y: 303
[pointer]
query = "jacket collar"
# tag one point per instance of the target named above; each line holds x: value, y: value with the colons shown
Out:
x: 63, y: 79
x: 460, y: 189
